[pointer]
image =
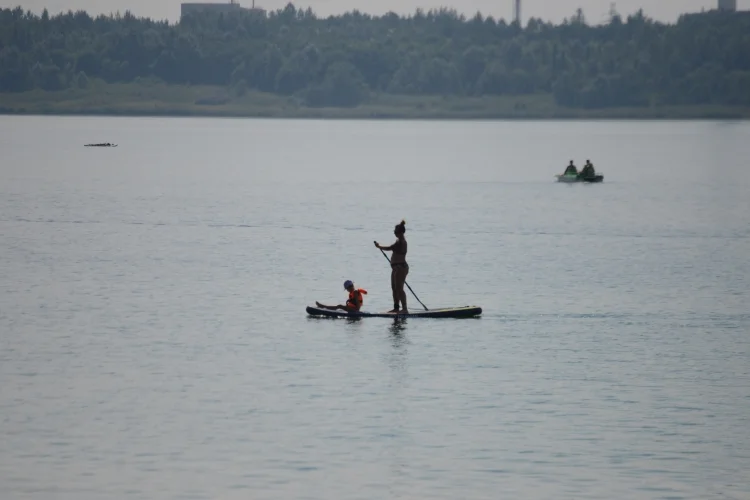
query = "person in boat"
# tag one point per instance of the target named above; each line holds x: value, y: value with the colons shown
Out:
x: 353, y: 303
x: 399, y: 267
x: 571, y: 169
x: 588, y: 172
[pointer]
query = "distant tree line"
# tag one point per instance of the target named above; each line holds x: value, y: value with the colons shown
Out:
x: 340, y: 60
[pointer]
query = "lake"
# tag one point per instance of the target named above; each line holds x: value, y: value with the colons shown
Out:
x: 154, y: 341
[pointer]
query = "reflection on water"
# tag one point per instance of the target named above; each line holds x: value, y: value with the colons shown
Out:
x: 398, y: 327
x: 395, y: 446
x: 398, y: 354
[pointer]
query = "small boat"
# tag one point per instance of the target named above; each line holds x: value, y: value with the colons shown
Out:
x: 449, y: 312
x: 570, y: 178
x: 101, y: 145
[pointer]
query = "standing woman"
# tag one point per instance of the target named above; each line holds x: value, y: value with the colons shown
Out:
x: 399, y: 267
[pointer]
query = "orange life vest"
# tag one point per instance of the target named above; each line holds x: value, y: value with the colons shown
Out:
x: 355, y: 298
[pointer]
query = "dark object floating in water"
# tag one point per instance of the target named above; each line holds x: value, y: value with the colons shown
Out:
x: 101, y: 145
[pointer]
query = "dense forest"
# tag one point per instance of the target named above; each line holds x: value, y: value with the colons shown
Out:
x: 341, y: 60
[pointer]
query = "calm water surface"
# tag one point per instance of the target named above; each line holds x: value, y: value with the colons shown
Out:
x: 154, y: 341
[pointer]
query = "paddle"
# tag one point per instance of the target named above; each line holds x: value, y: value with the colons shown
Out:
x: 405, y: 283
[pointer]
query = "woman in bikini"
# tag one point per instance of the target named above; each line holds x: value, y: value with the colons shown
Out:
x: 399, y: 267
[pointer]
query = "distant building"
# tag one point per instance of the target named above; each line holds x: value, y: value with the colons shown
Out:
x: 730, y: 5
x: 517, y: 11
x: 233, y: 7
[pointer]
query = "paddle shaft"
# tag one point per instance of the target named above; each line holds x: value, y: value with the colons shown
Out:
x: 405, y: 283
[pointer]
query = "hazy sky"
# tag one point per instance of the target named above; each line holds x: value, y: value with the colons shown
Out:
x: 553, y: 10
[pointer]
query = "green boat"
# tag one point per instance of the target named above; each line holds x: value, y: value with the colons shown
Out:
x: 570, y: 178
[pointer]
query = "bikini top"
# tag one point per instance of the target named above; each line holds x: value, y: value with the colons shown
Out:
x: 399, y: 247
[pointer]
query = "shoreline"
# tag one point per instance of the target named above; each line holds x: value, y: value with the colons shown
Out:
x: 183, y: 101
x: 739, y: 117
